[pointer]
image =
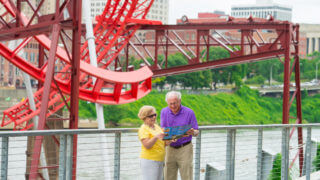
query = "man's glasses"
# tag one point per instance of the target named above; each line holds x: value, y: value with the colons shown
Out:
x: 152, y: 115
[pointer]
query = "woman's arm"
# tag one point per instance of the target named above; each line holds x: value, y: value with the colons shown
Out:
x: 149, y: 142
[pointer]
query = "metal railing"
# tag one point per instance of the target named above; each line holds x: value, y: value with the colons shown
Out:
x: 220, y: 152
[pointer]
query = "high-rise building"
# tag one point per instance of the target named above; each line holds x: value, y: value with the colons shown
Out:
x: 97, y: 7
x: 159, y: 11
x: 262, y: 9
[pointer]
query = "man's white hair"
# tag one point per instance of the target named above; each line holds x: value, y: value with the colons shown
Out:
x: 173, y: 94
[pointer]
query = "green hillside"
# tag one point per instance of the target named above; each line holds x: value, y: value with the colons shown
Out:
x: 245, y: 106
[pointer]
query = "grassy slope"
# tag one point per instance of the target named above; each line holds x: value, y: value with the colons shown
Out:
x: 243, y: 107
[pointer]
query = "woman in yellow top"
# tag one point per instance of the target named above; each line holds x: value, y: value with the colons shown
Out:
x: 152, y: 149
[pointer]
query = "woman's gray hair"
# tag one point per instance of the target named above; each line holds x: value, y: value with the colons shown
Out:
x: 173, y: 94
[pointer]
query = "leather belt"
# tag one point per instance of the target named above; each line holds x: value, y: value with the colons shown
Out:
x: 179, y: 146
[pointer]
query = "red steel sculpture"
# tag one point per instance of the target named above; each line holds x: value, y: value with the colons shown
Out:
x: 60, y: 42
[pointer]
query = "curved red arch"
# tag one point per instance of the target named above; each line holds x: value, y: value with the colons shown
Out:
x: 111, y: 25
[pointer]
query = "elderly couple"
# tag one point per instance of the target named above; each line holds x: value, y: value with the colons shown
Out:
x: 172, y: 155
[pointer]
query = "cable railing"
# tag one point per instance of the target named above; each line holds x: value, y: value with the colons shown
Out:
x: 220, y: 152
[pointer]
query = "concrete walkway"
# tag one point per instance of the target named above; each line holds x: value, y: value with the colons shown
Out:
x: 313, y: 176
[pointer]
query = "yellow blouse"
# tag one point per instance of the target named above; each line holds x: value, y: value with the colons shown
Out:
x: 157, y: 151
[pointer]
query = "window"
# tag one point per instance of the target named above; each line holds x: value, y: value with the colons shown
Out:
x: 17, y: 71
x: 32, y: 57
x: 313, y: 44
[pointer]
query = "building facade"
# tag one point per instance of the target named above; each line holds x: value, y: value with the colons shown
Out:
x: 159, y: 10
x: 312, y: 34
x: 262, y: 9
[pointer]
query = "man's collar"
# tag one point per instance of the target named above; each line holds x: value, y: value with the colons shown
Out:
x: 179, y: 112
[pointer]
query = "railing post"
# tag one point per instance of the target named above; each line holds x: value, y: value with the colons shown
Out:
x: 285, y: 154
x: 117, y: 145
x: 197, y: 157
x: 69, y: 158
x: 62, y: 157
x: 4, y: 157
x: 259, y: 158
x: 308, y: 154
x: 230, y: 158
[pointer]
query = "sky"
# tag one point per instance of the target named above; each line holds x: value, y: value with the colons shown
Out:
x: 304, y: 11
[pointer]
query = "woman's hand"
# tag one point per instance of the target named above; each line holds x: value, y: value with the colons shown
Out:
x: 149, y: 142
x: 160, y: 136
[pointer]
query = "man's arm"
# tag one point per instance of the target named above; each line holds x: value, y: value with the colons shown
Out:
x: 194, y: 123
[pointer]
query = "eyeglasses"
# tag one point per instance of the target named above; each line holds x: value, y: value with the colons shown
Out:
x: 152, y: 115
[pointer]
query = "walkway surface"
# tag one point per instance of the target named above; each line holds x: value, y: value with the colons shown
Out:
x: 313, y: 176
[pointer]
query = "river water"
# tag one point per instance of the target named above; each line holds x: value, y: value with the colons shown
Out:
x: 94, y: 155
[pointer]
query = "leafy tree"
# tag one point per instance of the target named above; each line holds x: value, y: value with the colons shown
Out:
x: 276, y: 168
x: 87, y: 110
x: 316, y: 161
x: 256, y: 80
x: 159, y: 82
x: 113, y: 114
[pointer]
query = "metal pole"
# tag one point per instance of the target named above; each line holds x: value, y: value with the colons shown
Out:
x: 285, y: 154
x: 259, y: 158
x: 270, y: 75
x: 86, y: 6
x: 197, y: 157
x: 62, y: 157
x: 117, y: 145
x: 286, y: 79
x: 4, y: 157
x: 43, y: 158
x: 317, y: 71
x: 75, y: 74
x: 230, y: 158
x: 308, y: 154
x: 69, y: 159
x: 298, y: 100
x: 32, y: 104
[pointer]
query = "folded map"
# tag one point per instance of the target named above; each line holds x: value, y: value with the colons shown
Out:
x: 175, y: 132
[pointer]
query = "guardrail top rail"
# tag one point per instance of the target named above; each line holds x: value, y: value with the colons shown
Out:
x: 228, y: 152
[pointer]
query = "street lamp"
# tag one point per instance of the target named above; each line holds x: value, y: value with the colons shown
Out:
x: 317, y: 71
x: 270, y: 75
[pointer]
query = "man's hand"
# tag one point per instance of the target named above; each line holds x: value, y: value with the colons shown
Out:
x: 168, y: 142
x: 193, y: 132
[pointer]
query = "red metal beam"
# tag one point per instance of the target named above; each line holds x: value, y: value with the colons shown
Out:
x: 45, y: 101
x: 218, y: 63
x: 75, y: 73
x: 298, y: 99
x: 286, y: 83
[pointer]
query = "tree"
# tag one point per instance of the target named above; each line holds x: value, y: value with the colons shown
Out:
x: 276, y: 168
x: 113, y: 114
x: 316, y: 161
x: 159, y: 82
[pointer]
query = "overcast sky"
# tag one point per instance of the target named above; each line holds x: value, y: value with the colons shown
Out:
x: 304, y: 11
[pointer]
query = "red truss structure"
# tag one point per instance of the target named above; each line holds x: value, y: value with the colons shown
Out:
x: 63, y: 45
x: 61, y: 41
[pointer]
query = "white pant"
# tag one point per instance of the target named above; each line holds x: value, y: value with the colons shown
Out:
x: 151, y: 170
